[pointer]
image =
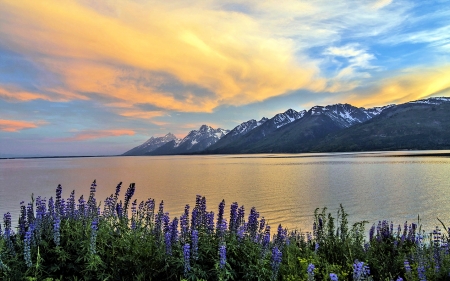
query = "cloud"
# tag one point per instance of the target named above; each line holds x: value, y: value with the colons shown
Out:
x: 411, y: 84
x: 16, y: 125
x: 96, y: 134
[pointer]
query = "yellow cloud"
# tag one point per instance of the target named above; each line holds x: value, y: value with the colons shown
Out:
x: 411, y: 84
x: 105, y: 49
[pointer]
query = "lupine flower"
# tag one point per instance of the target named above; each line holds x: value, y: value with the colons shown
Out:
x: 266, y: 238
x: 116, y: 195
x: 94, y: 228
x: 241, y: 231
x: 371, y: 232
x: 222, y: 255
x: 195, y: 218
x: 8, y: 232
x: 27, y: 247
x: 81, y: 207
x: 210, y: 222
x: 194, y: 240
x: 30, y: 213
x: 240, y: 217
x: 22, y: 219
x: 71, y: 205
x: 253, y: 222
x: 233, y: 217
x: 262, y: 224
x: 276, y: 261
x: 174, y: 231
x: 333, y: 277
x: 56, y: 230
x: 168, y: 243
x: 220, y: 214
x: 186, y: 255
x: 360, y: 271
x: 310, y: 271
x: 280, y: 236
x: 407, y: 266
x: 119, y: 209
x: 128, y: 195
x: 399, y: 279
x: 184, y: 225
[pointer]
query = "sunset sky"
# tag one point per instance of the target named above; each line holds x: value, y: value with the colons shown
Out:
x: 93, y: 77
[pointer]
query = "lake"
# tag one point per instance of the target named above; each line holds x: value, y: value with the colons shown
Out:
x: 285, y: 188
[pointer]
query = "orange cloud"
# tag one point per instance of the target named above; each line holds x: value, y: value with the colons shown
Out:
x: 411, y: 84
x: 97, y: 134
x: 15, y: 125
x: 105, y: 49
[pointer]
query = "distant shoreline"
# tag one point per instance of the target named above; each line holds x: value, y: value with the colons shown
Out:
x: 402, y: 153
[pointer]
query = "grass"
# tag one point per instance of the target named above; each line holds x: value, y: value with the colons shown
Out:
x: 74, y: 239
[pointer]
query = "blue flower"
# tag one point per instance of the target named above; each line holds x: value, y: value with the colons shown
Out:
x: 94, y: 229
x: 310, y: 271
x: 186, y: 255
x: 360, y: 271
x: 233, y: 217
x: 194, y: 240
x: 222, y: 255
x: 333, y: 277
x: 220, y: 214
x: 276, y: 261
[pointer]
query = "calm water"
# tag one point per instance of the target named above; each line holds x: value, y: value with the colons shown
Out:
x: 285, y: 189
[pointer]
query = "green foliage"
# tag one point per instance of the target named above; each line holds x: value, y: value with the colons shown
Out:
x: 121, y: 245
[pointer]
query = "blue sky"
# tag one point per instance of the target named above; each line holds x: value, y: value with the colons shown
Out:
x: 100, y: 77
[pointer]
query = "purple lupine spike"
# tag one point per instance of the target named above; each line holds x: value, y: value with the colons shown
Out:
x: 133, y: 208
x: 168, y: 243
x: 241, y: 231
x: 62, y: 208
x: 184, y: 226
x: 276, y: 261
x: 150, y: 207
x: 119, y: 209
x: 253, y: 224
x: 116, y: 195
x: 195, y: 218
x: 233, y: 217
x: 22, y: 219
x: 141, y: 210
x: 222, y: 255
x: 266, y: 239
x: 310, y: 272
x: 94, y: 229
x: 241, y: 215
x: 81, y: 207
x: 27, y: 248
x: 58, y: 197
x: 203, y: 212
x: 71, y: 205
x: 194, y: 241
x: 174, y: 231
x: 159, y: 221
x: 333, y: 277
x: 166, y: 223
x: 262, y: 224
x: 51, y: 208
x: 56, y: 229
x: 128, y: 195
x: 371, y: 232
x: 210, y: 222
x: 186, y: 255
x: 30, y: 213
x: 220, y: 213
x: 222, y: 229
x: 360, y: 271
x: 280, y: 236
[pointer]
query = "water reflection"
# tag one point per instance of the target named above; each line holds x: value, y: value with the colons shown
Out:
x: 284, y: 188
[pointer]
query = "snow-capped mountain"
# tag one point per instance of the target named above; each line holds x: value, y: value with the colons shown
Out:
x: 287, y: 117
x: 346, y: 115
x: 238, y: 131
x: 435, y: 101
x: 195, y: 141
x: 246, y: 127
x: 151, y: 144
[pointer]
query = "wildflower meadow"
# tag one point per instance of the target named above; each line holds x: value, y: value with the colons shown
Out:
x: 121, y: 239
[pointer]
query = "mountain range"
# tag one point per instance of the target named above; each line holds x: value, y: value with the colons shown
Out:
x: 416, y: 125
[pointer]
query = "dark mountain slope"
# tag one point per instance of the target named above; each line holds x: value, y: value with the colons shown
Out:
x: 413, y: 126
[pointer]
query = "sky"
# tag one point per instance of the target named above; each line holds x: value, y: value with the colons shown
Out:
x: 97, y: 77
